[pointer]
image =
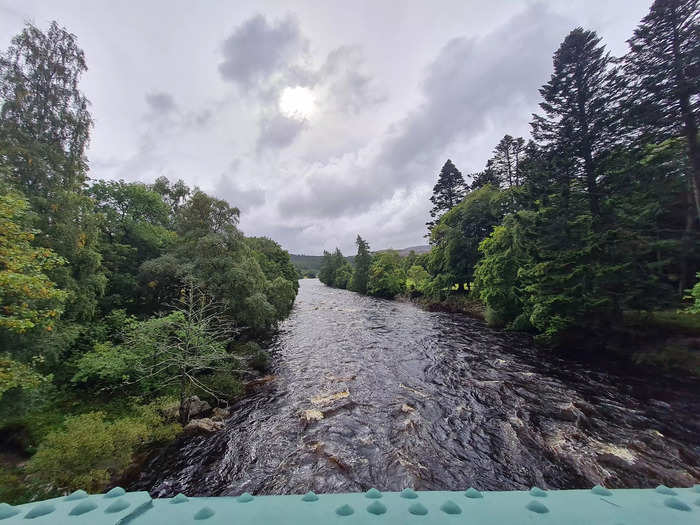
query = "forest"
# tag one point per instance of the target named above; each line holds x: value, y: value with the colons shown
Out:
x: 589, y: 227
x: 119, y: 301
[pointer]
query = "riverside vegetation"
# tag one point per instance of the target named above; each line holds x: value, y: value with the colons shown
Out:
x: 586, y: 234
x: 118, y: 300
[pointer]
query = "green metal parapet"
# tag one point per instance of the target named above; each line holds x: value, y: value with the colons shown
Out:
x: 598, y: 506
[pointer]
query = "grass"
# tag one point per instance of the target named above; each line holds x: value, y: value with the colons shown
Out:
x: 668, y: 339
x: 665, y: 320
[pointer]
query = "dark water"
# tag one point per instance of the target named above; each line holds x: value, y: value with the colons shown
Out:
x: 432, y: 401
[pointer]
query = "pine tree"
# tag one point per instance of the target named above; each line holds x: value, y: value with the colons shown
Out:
x: 482, y: 178
x: 363, y: 261
x: 447, y: 193
x: 663, y: 75
x: 507, y: 156
x: 580, y: 108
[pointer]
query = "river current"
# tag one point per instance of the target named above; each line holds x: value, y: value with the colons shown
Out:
x: 375, y: 393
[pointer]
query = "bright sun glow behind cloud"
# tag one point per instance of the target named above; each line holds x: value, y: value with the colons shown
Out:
x: 297, y: 102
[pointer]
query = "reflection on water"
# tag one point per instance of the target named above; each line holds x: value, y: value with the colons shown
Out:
x: 378, y: 393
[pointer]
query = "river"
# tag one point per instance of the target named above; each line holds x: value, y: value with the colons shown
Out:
x: 376, y: 393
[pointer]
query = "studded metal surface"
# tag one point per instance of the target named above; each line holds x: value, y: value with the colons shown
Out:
x: 662, y: 505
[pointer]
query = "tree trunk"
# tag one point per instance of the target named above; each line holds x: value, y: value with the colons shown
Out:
x: 687, y: 243
x: 184, y: 411
x: 691, y: 135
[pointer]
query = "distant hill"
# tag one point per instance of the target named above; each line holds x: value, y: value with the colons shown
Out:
x: 403, y: 252
x: 306, y: 262
x: 313, y: 262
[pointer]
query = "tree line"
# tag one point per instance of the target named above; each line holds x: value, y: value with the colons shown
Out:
x: 116, y: 298
x: 595, y: 215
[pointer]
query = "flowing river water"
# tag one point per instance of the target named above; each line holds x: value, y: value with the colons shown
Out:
x: 375, y: 393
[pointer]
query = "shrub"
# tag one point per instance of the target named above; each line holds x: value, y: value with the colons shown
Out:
x: 89, y: 451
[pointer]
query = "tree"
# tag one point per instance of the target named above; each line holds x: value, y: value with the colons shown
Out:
x: 663, y: 73
x: 482, y: 178
x: 133, y: 224
x: 386, y: 276
x: 44, y: 130
x: 174, y: 194
x: 189, y: 343
x: 39, y: 77
x: 202, y: 214
x: 363, y: 260
x: 456, y: 236
x: 496, y: 278
x: 28, y: 297
x: 580, y: 109
x: 506, y: 161
x: 417, y: 279
x: 447, y: 192
x: 335, y: 269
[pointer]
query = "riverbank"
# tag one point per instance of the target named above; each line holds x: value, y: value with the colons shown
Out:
x: 452, y: 304
x: 401, y: 396
x: 666, y: 340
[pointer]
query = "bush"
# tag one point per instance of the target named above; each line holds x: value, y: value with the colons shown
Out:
x: 386, y: 277
x: 226, y: 386
x: 694, y: 294
x: 90, y: 451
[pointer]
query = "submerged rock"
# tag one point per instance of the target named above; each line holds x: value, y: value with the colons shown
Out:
x: 220, y: 414
x: 204, y: 424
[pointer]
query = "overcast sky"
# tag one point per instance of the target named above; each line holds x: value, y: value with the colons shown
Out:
x: 318, y: 119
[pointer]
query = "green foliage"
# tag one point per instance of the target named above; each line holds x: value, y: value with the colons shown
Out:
x: 694, y: 295
x: 417, y: 279
x: 456, y: 237
x: 28, y: 297
x: 386, y: 276
x: 448, y: 191
x: 14, y: 374
x: 335, y: 270
x: 360, y: 273
x: 599, y: 216
x: 106, y: 365
x: 496, y: 280
x: 93, y: 276
x: 90, y: 450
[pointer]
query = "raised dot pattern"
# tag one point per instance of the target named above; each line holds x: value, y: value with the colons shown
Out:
x: 537, y: 506
x: 450, y: 507
x: 310, y: 496
x: 82, y: 508
x: 117, y: 506
x: 83, y: 505
x: 376, y: 507
x: 473, y: 493
x: 40, y: 510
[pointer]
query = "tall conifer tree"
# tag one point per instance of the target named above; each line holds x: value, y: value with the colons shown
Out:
x: 663, y: 73
x: 447, y: 192
x: 580, y: 108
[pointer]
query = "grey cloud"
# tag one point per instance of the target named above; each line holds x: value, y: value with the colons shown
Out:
x: 161, y: 103
x: 278, y: 132
x: 470, y: 83
x: 471, y: 80
x: 257, y: 48
x: 199, y: 118
x: 244, y: 199
x: 327, y: 196
x: 350, y: 88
